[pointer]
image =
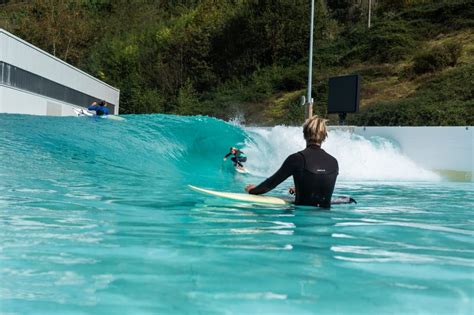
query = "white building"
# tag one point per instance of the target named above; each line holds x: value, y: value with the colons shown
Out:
x: 37, y: 83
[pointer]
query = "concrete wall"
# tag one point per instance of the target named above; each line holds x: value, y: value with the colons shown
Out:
x: 21, y: 54
x: 446, y: 150
x: 14, y: 101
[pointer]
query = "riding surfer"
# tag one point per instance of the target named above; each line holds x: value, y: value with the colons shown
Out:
x: 314, y: 171
x: 238, y: 157
x: 100, y: 108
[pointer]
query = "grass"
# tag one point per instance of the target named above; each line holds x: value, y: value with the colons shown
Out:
x: 386, y: 87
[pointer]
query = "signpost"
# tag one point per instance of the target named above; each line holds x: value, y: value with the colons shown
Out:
x: 309, y: 99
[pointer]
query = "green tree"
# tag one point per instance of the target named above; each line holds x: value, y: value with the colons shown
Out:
x: 64, y: 28
x: 187, y: 102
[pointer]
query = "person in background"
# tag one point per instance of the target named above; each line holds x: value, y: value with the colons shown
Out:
x: 238, y: 157
x: 100, y: 109
x: 314, y: 171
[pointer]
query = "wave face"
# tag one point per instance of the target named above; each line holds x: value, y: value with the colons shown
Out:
x: 180, y: 149
x: 147, y: 146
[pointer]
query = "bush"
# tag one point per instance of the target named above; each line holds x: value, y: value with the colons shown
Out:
x: 416, y: 112
x: 187, y: 102
x: 430, y: 61
x: 438, y: 58
x: 291, y: 79
x: 295, y: 116
x: 433, y: 17
x: 454, y: 52
x: 390, y: 41
x: 387, y: 41
x: 444, y: 101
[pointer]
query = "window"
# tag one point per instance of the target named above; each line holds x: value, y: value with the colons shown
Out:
x: 24, y: 80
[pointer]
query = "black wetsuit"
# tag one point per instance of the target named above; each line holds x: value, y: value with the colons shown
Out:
x: 238, y: 158
x: 314, y: 173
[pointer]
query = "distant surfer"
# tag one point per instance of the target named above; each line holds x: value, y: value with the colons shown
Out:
x: 238, y: 157
x: 314, y: 171
x: 100, y: 108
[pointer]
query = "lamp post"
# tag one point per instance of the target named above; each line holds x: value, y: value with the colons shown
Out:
x: 309, y: 103
x: 370, y: 12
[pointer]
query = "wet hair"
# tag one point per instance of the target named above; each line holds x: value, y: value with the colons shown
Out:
x: 314, y: 130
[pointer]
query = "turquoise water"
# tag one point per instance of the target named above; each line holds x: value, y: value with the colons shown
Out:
x: 95, y: 218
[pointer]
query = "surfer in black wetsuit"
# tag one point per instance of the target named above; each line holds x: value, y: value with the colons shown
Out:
x: 238, y: 157
x: 314, y: 171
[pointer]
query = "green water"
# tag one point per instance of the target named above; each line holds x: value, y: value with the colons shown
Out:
x: 95, y: 218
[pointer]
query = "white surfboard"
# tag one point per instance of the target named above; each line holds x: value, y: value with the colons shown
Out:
x: 264, y: 199
x: 114, y: 117
x: 84, y: 112
x: 241, y: 170
x: 241, y: 196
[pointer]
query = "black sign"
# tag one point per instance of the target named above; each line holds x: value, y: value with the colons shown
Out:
x: 344, y: 94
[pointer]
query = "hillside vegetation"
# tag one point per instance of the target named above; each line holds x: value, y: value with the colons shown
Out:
x: 248, y: 58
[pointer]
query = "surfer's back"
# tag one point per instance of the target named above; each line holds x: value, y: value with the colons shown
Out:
x: 315, y: 177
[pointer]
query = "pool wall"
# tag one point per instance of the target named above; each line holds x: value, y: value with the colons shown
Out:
x: 445, y: 150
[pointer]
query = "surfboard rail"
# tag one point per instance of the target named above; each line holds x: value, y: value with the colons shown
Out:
x: 241, y: 196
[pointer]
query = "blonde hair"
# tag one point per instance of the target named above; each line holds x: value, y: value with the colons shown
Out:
x: 314, y: 130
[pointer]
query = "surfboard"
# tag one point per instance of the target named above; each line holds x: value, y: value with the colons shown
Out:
x: 241, y: 170
x: 263, y: 199
x: 241, y: 196
x: 84, y: 112
x: 114, y: 117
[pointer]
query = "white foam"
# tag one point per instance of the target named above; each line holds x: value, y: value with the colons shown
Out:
x: 373, y: 159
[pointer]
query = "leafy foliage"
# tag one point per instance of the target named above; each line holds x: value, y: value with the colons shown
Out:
x: 437, y: 58
x: 222, y: 57
x: 446, y: 100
